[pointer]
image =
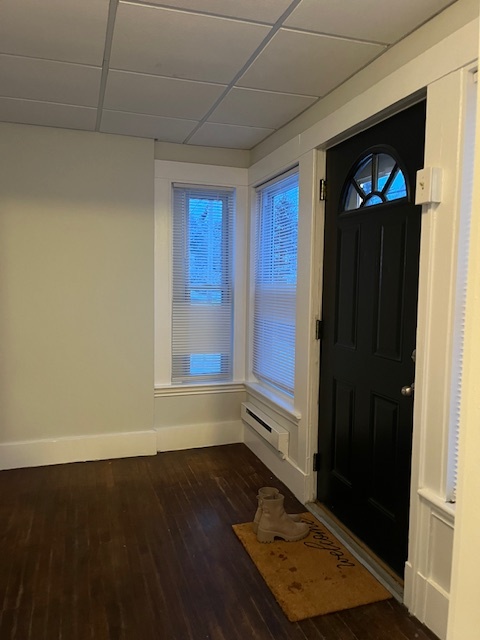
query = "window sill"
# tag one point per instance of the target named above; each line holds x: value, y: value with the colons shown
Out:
x: 274, y: 401
x: 438, y: 503
x: 198, y: 389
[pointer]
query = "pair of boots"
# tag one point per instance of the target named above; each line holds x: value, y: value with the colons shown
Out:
x: 272, y: 522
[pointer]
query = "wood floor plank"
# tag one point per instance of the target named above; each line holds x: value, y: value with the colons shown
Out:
x: 143, y: 549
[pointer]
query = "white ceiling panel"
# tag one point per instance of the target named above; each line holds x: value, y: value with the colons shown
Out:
x: 182, y: 45
x: 143, y: 126
x: 169, y: 63
x: 154, y: 95
x: 268, y: 11
x: 67, y: 30
x: 229, y: 136
x: 47, y: 114
x: 49, y: 81
x: 374, y: 20
x: 295, y: 62
x: 255, y: 108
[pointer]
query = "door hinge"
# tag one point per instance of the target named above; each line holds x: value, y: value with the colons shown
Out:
x: 316, y: 461
x: 318, y: 329
x: 322, y: 190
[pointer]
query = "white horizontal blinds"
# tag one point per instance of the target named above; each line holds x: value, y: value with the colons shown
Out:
x: 202, y: 311
x: 275, y: 283
x: 461, y: 284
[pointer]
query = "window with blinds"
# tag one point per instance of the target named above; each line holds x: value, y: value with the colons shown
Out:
x: 461, y: 284
x: 275, y: 283
x: 202, y: 310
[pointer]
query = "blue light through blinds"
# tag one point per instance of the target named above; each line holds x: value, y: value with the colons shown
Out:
x: 202, y: 292
x: 461, y: 286
x: 275, y: 283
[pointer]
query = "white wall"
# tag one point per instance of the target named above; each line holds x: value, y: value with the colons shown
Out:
x: 76, y: 295
x: 188, y: 418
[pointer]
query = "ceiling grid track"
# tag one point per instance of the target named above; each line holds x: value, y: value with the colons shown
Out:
x: 208, y: 73
x: 112, y: 14
x: 278, y: 24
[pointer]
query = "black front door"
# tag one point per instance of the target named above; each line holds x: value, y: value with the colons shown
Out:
x: 372, y: 245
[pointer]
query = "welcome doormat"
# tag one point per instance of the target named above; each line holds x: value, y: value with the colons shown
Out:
x: 314, y: 576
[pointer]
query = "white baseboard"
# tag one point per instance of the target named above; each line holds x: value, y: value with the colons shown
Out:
x: 195, y: 436
x: 285, y: 470
x: 436, y: 609
x: 39, y: 453
x: 408, y: 600
x: 427, y: 601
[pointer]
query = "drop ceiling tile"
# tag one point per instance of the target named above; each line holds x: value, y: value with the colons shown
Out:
x: 47, y: 114
x: 305, y: 63
x: 157, y: 96
x: 67, y: 30
x: 49, y: 81
x: 255, y: 108
x: 374, y: 20
x: 265, y: 11
x: 182, y: 45
x: 143, y: 126
x: 230, y: 136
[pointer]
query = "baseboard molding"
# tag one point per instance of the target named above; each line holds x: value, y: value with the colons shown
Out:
x: 285, y: 470
x: 195, y: 436
x: 408, y: 593
x: 39, y: 453
x: 436, y: 609
x: 427, y: 601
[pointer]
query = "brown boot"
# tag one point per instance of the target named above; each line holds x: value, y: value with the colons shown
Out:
x: 268, y: 491
x: 275, y: 523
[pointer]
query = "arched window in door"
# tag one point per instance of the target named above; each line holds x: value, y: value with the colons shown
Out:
x: 376, y: 179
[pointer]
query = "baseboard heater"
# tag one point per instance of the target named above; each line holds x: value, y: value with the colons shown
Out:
x: 270, y: 430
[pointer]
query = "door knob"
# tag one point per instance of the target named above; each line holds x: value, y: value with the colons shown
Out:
x: 407, y: 391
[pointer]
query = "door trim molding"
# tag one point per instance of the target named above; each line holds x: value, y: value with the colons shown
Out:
x: 430, y: 556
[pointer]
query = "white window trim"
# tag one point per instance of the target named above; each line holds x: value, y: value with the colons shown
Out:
x: 166, y: 174
x: 447, y: 509
x: 282, y: 406
x: 198, y: 389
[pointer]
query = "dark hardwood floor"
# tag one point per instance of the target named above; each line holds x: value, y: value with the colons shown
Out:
x: 142, y: 548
